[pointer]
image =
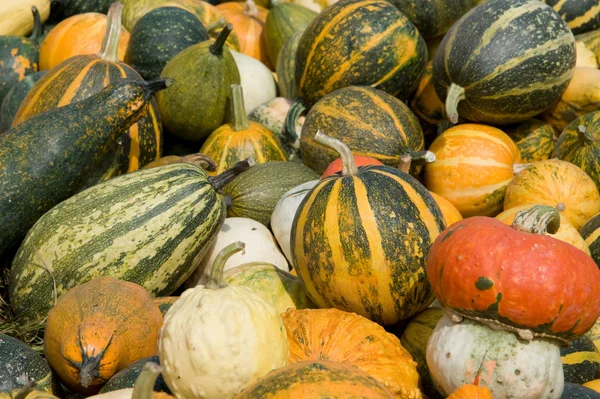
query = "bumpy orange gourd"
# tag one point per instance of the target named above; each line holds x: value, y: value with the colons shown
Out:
x: 471, y: 392
x: 97, y: 329
x: 348, y: 338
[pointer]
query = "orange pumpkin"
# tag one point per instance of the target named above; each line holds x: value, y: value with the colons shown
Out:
x: 471, y: 392
x: 348, y: 338
x: 449, y: 211
x: 97, y: 329
x: 337, y: 166
x: 77, y: 35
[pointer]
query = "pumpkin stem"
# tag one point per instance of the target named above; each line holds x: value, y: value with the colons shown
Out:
x: 519, y: 167
x: 348, y: 163
x: 204, y: 161
x: 250, y: 9
x: 112, y: 34
x: 219, y: 181
x: 218, y: 24
x: 215, y: 280
x: 539, y: 219
x: 217, y: 47
x: 238, y: 109
x: 152, y: 86
x: 144, y: 384
x: 584, y: 135
x: 455, y: 95
x: 38, y: 28
x: 90, y: 369
x: 416, y: 158
x: 291, y: 119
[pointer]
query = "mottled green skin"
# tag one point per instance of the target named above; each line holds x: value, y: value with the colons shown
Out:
x: 14, y: 98
x: 18, y: 58
x: 584, y: 371
x: 576, y: 391
x: 589, y: 228
x: 68, y: 8
x: 369, y: 121
x: 534, y: 139
x: 571, y: 10
x: 516, y: 74
x: 286, y: 62
x: 127, y: 377
x: 54, y: 155
x: 433, y: 17
x: 196, y: 104
x: 255, y: 193
x: 160, y: 35
x: 283, y: 21
x: 17, y: 360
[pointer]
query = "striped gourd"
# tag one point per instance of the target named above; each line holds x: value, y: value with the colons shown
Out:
x: 150, y: 227
x: 449, y: 211
x: 474, y: 164
x: 83, y: 76
x: 426, y: 103
x: 359, y: 240
x: 581, y: 15
x: 491, y: 68
x: 591, y: 234
x: 579, y: 144
x: 581, y: 361
x: 594, y: 333
x: 286, y: 63
x: 534, y: 138
x: 588, y: 47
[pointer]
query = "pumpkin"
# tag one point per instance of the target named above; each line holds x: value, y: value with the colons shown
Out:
x: 97, y: 329
x: 195, y: 159
x: 165, y: 303
x: 534, y: 138
x: 590, y: 233
x: 13, y: 99
x: 576, y: 391
x: 425, y: 103
x: 127, y: 377
x: 594, y: 385
x: 581, y: 15
x: 477, y: 279
x: 317, y: 379
x: 256, y: 80
x: 85, y: 75
x: 473, y: 167
x: 581, y: 361
x: 458, y: 353
x: 240, y: 337
x: 559, y: 184
x: 585, y: 56
x: 15, y: 16
x: 317, y: 334
x: 144, y: 386
x: 26, y: 393
x: 345, y: 243
x: 471, y: 391
x: 506, y: 78
x: 136, y: 9
x: 315, y: 5
x: 449, y: 211
x: 286, y: 64
x: 588, y: 48
x: 337, y: 166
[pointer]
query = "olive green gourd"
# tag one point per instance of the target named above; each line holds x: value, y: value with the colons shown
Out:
x: 127, y: 377
x: 284, y: 68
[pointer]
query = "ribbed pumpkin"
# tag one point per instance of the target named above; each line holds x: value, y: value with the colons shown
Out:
x: 471, y: 392
x: 449, y: 211
x: 581, y: 15
x: 241, y: 139
x: 81, y: 34
x: 99, y: 328
x: 345, y: 242
x: 581, y: 361
x: 474, y: 164
x: 490, y: 68
x: 534, y: 138
x: 318, y: 334
x: 85, y: 75
x: 559, y: 184
x: 426, y: 103
x: 591, y: 234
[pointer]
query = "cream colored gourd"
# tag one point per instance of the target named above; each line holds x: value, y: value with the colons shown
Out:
x: 256, y: 80
x: 218, y: 339
x: 458, y: 353
x: 143, y: 389
x: 260, y: 247
x: 282, y: 217
x: 15, y: 15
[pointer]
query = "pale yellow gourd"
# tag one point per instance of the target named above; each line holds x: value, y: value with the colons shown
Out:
x: 218, y: 339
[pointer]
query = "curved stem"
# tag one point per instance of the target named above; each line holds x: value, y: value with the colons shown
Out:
x: 217, y: 47
x: 219, y: 181
x: 90, y: 370
x: 349, y: 165
x: 415, y: 158
x: 292, y: 118
x: 204, y: 161
x: 455, y: 95
x: 250, y: 9
x: 519, y: 167
x: 112, y: 34
x: 238, y: 109
x: 539, y: 219
x: 584, y: 135
x: 144, y: 384
x: 38, y: 28
x: 218, y: 24
x: 215, y: 279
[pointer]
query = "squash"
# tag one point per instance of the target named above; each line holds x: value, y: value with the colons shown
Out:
x: 559, y: 184
x: 471, y: 391
x: 585, y: 56
x: 477, y: 280
x: 15, y: 16
x: 97, y: 329
x: 534, y: 138
x: 256, y: 80
x: 240, y: 337
x: 144, y: 386
x: 127, y: 377
x: 458, y: 353
x: 68, y: 8
x: 594, y: 385
x: 14, y: 98
x: 286, y: 64
x: 337, y: 165
x: 506, y: 78
x: 241, y: 138
x: 581, y: 15
x: 317, y: 334
x: 315, y: 5
x: 150, y: 227
x: 425, y: 103
x: 590, y: 233
x: 194, y: 107
x: 254, y: 193
x: 195, y: 159
x: 588, y: 46
x: 160, y: 35
x: 581, y: 361
x: 473, y: 167
x: 164, y: 303
x: 316, y: 379
x: 566, y: 232
x: 576, y: 391
x: 449, y: 211
x: 283, y: 20
x: 74, y: 160
x: 136, y: 9
x: 83, y: 76
x: 325, y: 63
x: 369, y: 121
x: 345, y: 243
x: 260, y: 247
x: 26, y: 393
x: 581, y: 96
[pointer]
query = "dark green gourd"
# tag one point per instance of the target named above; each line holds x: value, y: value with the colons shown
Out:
x: 127, y: 377
x: 576, y: 391
x: 286, y: 62
x: 13, y: 99
x: 68, y: 8
x: 581, y: 15
x: 160, y: 35
x: 56, y: 154
x: 196, y: 104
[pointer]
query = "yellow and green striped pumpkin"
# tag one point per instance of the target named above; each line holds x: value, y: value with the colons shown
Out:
x: 359, y: 240
x: 426, y: 103
x: 581, y: 361
x: 534, y: 138
x: 581, y: 15
x: 591, y: 234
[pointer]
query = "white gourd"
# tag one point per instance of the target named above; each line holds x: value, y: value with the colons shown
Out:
x: 256, y: 80
x: 218, y: 339
x: 457, y: 353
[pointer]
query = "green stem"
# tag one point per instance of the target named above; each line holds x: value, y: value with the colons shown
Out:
x: 38, y: 28
x: 415, y: 158
x: 455, y: 95
x: 144, y: 384
x: 217, y: 47
x: 238, y: 109
x: 539, y: 219
x: 291, y: 119
x: 215, y: 280
x: 349, y: 165
x: 110, y: 42
x: 584, y: 135
x: 219, y: 181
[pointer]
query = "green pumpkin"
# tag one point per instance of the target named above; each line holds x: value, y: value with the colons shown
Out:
x: 534, y: 138
x: 591, y: 234
x: 581, y: 15
x: 127, y: 377
x: 286, y: 62
x: 13, y: 99
x: 581, y: 361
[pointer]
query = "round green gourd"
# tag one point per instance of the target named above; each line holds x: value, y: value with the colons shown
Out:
x: 591, y: 234
x: 127, y: 377
x: 196, y: 104
x: 581, y: 361
x: 581, y: 15
x: 13, y: 99
x: 534, y: 138
x: 160, y: 35
x: 284, y: 68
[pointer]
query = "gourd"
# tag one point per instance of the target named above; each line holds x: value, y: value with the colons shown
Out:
x: 315, y: 5
x: 144, y: 386
x: 127, y: 377
x: 285, y: 65
x: 581, y: 361
x: 425, y: 103
x: 136, y: 9
x: 15, y: 16
x: 588, y: 47
x: 337, y: 165
x: 14, y: 98
x: 366, y: 206
x: 97, y: 329
x: 505, y: 79
x: 590, y: 233
x: 449, y: 211
x: 534, y: 138
x: 234, y: 348
x: 581, y: 15
x: 283, y: 20
x: 576, y: 391
x: 471, y: 391
x: 593, y: 385
x: 26, y: 392
x: 164, y: 303
x: 256, y: 80
x: 68, y: 8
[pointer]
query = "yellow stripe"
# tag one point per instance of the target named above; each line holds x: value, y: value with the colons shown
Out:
x: 156, y: 125
x: 134, y: 148
x: 517, y: 91
x: 592, y: 237
x: 580, y: 357
x: 585, y: 18
x: 559, y: 5
x: 76, y: 85
x: 455, y: 161
x: 256, y: 148
x: 379, y: 103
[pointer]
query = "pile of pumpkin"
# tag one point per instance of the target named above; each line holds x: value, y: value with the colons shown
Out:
x: 300, y: 199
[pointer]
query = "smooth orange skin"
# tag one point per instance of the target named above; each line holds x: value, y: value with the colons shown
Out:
x: 360, y: 160
x: 541, y: 280
x: 102, y: 314
x: 449, y: 211
x: 471, y: 392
